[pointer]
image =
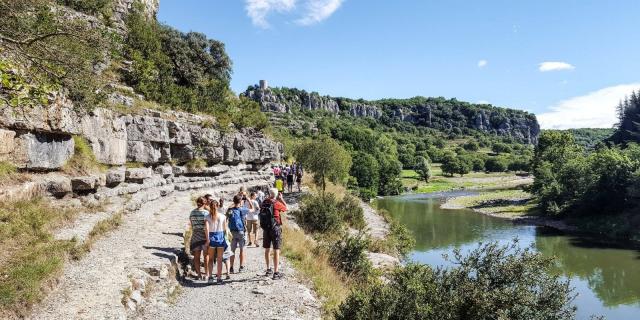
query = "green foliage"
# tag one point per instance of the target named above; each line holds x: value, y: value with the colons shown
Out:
x: 195, y: 165
x: 326, y: 159
x: 491, y: 282
x: 423, y: 168
x: 185, y: 71
x: 590, y: 137
x: 496, y: 164
x: 349, y: 256
x: 325, y: 213
x: 55, y: 49
x: 452, y: 164
x: 500, y: 147
x: 471, y: 145
x: 628, y: 126
x: 366, y: 170
x: 88, y: 6
x: 83, y: 161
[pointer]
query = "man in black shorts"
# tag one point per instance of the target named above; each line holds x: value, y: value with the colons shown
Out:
x: 273, y: 236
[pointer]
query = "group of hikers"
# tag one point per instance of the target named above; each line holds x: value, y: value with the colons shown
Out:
x: 216, y: 233
x: 286, y: 175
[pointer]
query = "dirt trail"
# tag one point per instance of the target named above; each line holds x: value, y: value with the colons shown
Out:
x: 93, y: 288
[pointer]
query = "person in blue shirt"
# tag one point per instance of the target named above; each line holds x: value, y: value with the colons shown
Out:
x: 237, y: 217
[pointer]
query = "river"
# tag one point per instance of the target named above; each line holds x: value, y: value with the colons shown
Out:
x: 605, y: 277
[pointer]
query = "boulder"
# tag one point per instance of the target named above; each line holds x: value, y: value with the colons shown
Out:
x: 58, y: 186
x: 137, y: 174
x: 83, y: 184
x: 148, y: 152
x: 42, y: 151
x: 164, y: 170
x: 115, y: 177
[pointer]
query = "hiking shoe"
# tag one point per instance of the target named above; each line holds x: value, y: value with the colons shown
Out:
x: 211, y: 281
x: 241, y: 269
x: 249, y: 243
x: 257, y: 245
x: 269, y: 272
x: 278, y: 275
x: 231, y: 270
x: 220, y: 281
x: 228, y: 277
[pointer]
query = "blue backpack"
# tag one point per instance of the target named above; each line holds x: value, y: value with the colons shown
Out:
x: 236, y: 222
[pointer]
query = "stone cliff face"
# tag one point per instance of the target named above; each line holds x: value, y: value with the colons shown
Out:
x: 162, y: 143
x: 427, y: 112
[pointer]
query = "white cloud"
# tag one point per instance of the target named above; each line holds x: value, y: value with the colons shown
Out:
x: 554, y: 66
x: 594, y: 110
x: 482, y: 63
x: 318, y: 10
x: 310, y: 12
x: 258, y: 10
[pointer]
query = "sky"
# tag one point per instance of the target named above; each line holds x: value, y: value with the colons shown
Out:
x: 568, y: 61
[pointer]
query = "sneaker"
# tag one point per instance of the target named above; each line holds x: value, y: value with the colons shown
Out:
x: 278, y: 275
x: 250, y: 243
x: 227, y: 277
x: 211, y: 281
x: 257, y: 245
x: 220, y: 281
x: 269, y: 272
x: 231, y: 270
x: 241, y: 269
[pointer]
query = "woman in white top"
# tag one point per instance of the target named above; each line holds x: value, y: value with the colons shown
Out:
x: 216, y: 227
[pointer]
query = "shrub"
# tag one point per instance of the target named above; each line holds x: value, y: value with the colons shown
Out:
x: 351, y: 212
x: 6, y: 169
x: 83, y: 160
x: 500, y: 147
x: 471, y: 145
x: 88, y: 6
x: 319, y: 213
x: 196, y: 164
x: 349, y: 255
x: 496, y: 164
x: 491, y: 282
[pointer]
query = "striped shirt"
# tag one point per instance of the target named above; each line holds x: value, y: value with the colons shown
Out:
x: 197, y: 219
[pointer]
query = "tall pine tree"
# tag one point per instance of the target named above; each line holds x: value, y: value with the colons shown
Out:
x: 628, y: 126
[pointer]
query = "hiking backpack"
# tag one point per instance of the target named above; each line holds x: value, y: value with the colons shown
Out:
x: 235, y: 220
x: 266, y: 216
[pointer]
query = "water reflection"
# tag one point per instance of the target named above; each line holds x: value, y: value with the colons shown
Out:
x: 606, y: 278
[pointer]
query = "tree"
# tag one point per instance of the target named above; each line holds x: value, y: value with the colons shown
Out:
x: 628, y: 126
x: 366, y: 170
x: 449, y: 164
x: 500, y: 147
x: 423, y: 168
x: 496, y: 164
x: 471, y: 145
x: 326, y: 159
x: 490, y: 282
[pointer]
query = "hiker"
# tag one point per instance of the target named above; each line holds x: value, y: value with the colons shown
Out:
x: 237, y: 216
x: 199, y: 234
x: 216, y: 206
x: 290, y: 179
x: 216, y: 228
x: 252, y: 220
x: 299, y: 179
x: 271, y: 224
x: 260, y: 197
x: 279, y: 184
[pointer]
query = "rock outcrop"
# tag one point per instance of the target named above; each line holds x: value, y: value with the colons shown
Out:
x: 437, y: 113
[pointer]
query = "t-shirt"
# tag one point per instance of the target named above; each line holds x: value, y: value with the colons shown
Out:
x: 197, y: 219
x: 216, y: 224
x: 278, y: 207
x: 260, y: 196
x: 253, y: 214
x: 279, y: 185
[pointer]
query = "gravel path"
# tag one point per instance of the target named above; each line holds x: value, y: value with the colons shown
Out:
x: 93, y: 287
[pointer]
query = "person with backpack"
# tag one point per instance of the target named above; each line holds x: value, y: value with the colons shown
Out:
x: 290, y: 174
x: 237, y: 216
x: 271, y: 223
x: 199, y: 235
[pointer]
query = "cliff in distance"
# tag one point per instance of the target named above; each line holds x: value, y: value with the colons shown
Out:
x: 448, y: 115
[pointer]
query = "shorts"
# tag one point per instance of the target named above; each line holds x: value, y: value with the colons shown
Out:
x: 216, y: 239
x: 198, y: 246
x: 272, y: 236
x: 238, y: 239
x: 252, y: 226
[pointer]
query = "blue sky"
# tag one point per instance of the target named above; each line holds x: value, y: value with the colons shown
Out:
x: 567, y: 61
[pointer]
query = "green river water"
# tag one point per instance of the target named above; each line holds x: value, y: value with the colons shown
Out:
x: 606, y: 277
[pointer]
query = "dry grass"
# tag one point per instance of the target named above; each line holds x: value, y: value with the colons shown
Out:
x: 195, y: 165
x: 31, y: 257
x: 99, y: 230
x: 327, y: 282
x: 83, y: 160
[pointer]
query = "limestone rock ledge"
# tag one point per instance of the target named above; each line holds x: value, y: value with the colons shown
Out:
x: 40, y: 138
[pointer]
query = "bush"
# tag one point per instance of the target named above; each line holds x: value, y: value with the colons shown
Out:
x: 471, y: 145
x: 496, y: 164
x: 319, y: 213
x: 491, y: 282
x: 349, y: 255
x: 6, y: 169
x: 83, y: 160
x: 195, y: 165
x: 351, y: 212
x: 500, y: 147
x: 88, y: 6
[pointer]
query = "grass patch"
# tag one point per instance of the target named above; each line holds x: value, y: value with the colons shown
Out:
x: 399, y: 241
x: 472, y: 180
x: 134, y: 165
x: 196, y: 164
x: 83, y: 160
x: 30, y: 257
x: 6, y: 169
x: 314, y: 266
x: 508, y: 203
x: 99, y: 230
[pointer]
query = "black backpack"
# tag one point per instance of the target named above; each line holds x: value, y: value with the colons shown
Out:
x: 266, y: 216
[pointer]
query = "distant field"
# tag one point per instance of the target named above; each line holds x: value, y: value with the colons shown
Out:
x: 473, y: 180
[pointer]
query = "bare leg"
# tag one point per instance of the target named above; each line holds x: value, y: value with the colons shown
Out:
x: 219, y: 262
x: 241, y: 256
x: 196, y: 262
x: 276, y: 257
x: 266, y: 256
x: 233, y: 258
x: 209, y: 261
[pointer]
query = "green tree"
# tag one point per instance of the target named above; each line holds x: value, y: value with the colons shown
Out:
x: 366, y: 170
x: 471, y: 145
x: 496, y: 164
x: 423, y: 168
x: 500, y: 147
x: 326, y: 159
x: 491, y: 282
